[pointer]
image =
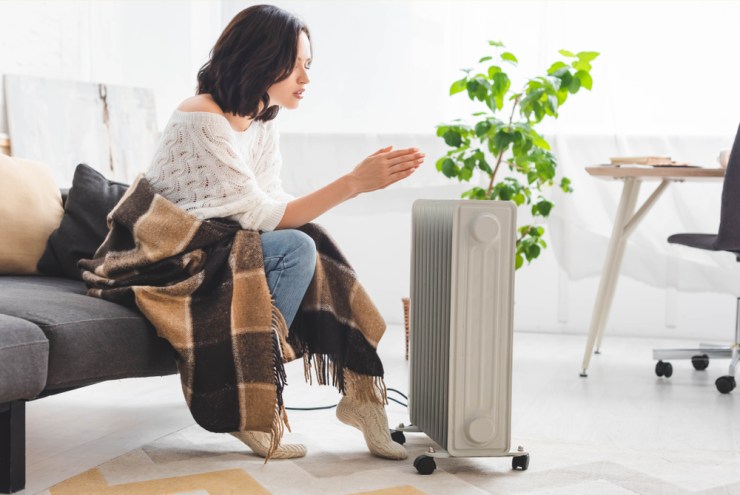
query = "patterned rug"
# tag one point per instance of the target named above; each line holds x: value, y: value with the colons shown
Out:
x: 194, y: 461
x: 585, y: 437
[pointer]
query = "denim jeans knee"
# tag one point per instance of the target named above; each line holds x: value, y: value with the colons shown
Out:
x: 290, y: 262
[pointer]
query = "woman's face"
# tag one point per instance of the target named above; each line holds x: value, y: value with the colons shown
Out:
x: 288, y: 92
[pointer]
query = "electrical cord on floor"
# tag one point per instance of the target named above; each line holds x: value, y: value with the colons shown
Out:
x: 398, y: 392
x: 310, y: 408
x: 335, y: 405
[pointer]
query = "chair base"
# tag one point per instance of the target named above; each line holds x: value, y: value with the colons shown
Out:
x: 700, y: 357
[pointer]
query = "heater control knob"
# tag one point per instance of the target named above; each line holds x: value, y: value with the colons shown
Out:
x: 480, y: 430
x: 486, y: 228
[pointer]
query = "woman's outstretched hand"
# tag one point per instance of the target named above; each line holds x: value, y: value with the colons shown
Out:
x: 377, y: 171
x: 384, y: 167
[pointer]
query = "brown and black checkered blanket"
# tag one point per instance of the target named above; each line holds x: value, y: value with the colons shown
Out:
x: 202, y: 285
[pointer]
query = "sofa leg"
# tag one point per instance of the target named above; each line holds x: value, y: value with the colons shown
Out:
x: 12, y: 446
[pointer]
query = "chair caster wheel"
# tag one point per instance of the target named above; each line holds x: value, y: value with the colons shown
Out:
x: 425, y: 464
x: 664, y: 369
x: 520, y: 462
x: 398, y: 437
x: 725, y: 384
x: 700, y: 362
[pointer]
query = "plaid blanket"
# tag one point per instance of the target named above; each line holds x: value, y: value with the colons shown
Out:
x: 202, y: 285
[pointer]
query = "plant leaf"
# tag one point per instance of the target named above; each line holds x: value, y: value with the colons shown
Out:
x: 482, y: 127
x: 458, y: 86
x: 585, y: 79
x: 465, y: 174
x: 581, y: 65
x: 449, y: 168
x: 555, y: 67
x: 544, y: 207
x: 533, y: 251
x: 509, y: 57
x: 575, y: 85
x: 587, y: 56
x: 519, y: 261
x: 452, y: 138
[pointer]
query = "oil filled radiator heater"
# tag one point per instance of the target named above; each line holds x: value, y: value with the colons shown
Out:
x: 460, y: 329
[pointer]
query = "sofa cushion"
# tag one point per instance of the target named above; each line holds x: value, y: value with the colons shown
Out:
x: 24, y: 354
x: 30, y: 209
x: 83, y: 226
x: 90, y: 339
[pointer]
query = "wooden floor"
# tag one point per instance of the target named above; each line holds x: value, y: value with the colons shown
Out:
x: 621, y: 407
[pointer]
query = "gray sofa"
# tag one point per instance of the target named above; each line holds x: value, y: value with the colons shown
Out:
x: 54, y: 338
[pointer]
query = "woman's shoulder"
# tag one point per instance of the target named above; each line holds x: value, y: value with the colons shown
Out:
x: 198, y: 110
x: 200, y: 103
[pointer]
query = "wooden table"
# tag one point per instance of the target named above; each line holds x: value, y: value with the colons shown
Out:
x: 625, y: 222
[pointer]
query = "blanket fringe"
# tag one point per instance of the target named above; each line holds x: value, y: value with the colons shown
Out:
x: 280, y: 419
x: 281, y: 327
x: 325, y: 370
x: 276, y: 432
x: 366, y: 388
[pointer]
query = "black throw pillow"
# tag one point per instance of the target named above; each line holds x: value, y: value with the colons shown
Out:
x: 83, y: 227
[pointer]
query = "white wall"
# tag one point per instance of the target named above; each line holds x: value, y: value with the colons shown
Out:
x: 382, y: 71
x: 387, y: 65
x: 153, y: 44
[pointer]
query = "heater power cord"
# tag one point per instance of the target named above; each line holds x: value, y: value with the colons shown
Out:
x: 335, y: 405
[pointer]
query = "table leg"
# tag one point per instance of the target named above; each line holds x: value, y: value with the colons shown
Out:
x: 609, y: 273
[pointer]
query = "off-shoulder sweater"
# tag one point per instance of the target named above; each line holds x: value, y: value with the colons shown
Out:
x: 210, y: 170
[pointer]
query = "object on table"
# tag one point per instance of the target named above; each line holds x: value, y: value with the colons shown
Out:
x: 650, y: 161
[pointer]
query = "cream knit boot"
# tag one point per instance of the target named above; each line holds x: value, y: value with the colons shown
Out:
x: 259, y: 442
x: 369, y: 417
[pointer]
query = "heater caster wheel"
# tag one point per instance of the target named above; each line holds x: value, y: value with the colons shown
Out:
x: 520, y: 462
x: 398, y: 437
x: 664, y: 369
x: 425, y: 464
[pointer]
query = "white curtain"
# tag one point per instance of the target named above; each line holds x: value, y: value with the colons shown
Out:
x: 666, y: 68
x: 664, y: 84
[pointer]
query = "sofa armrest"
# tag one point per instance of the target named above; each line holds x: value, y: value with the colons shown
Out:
x: 24, y: 358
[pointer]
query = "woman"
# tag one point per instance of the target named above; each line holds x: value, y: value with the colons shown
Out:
x: 219, y: 157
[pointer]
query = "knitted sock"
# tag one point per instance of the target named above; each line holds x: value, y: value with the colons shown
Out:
x: 369, y: 417
x: 259, y: 442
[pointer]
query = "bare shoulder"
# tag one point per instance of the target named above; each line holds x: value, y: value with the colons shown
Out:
x: 200, y: 103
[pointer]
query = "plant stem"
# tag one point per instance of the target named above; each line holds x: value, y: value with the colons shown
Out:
x: 501, y: 153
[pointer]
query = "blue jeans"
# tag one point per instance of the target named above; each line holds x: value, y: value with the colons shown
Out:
x: 290, y: 262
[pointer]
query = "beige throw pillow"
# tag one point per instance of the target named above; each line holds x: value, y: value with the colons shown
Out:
x: 30, y: 209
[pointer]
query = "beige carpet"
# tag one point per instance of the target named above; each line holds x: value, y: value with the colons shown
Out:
x: 622, y: 431
x: 195, y: 461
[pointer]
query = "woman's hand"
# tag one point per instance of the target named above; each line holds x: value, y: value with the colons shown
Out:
x: 384, y: 167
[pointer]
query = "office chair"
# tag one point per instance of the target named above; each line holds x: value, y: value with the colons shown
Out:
x: 727, y: 239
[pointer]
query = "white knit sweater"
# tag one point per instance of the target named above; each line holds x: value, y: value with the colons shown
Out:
x: 210, y: 170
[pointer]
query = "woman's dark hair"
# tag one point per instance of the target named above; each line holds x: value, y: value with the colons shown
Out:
x: 256, y: 50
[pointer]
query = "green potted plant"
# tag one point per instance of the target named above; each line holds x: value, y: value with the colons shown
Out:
x: 504, y: 138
